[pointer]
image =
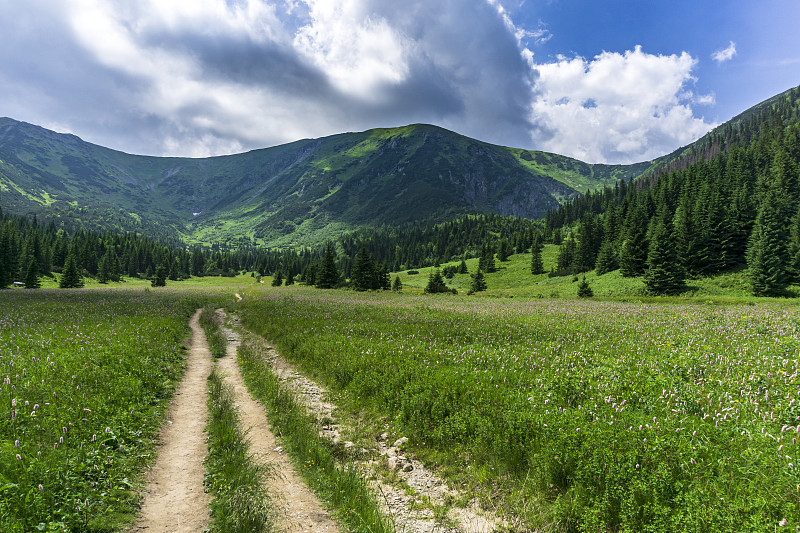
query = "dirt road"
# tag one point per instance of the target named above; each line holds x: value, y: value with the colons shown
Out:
x: 175, y: 501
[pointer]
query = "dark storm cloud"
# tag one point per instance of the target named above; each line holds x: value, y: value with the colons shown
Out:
x: 121, y: 77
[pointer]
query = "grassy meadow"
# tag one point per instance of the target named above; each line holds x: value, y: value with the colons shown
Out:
x: 619, y: 413
x: 580, y: 415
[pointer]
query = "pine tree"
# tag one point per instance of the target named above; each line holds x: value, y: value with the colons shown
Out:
x: 462, y: 268
x: 397, y: 286
x: 665, y: 274
x: 32, y: 278
x: 478, y: 282
x: 290, y: 279
x: 71, y: 277
x: 277, y: 279
x: 328, y: 275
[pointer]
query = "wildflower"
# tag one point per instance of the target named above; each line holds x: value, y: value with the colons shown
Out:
x: 783, y: 523
x: 41, y: 488
x: 19, y: 458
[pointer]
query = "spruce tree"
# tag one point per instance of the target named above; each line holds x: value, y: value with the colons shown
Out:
x: 584, y: 290
x: 5, y: 259
x: 665, y: 274
x: 363, y: 273
x: 504, y: 251
x: 462, y: 268
x: 32, y: 278
x: 310, y: 274
x: 436, y: 283
x: 478, y: 282
x: 488, y: 260
x: 71, y: 277
x: 383, y: 281
x: 328, y: 275
x: 537, y: 265
x: 566, y: 255
x: 277, y: 279
x: 174, y: 269
x: 768, y: 257
x: 607, y: 259
x: 106, y: 270
x: 289, y: 279
x: 397, y: 286
x: 633, y: 254
x: 160, y: 277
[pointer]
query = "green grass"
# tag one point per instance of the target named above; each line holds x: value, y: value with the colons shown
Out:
x: 86, y: 377
x: 241, y: 503
x: 514, y: 280
x: 578, y: 415
x: 217, y: 341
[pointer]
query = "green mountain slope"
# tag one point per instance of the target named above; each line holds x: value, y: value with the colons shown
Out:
x: 289, y: 194
x: 310, y: 190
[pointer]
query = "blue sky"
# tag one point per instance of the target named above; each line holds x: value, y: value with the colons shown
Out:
x: 765, y: 34
x: 604, y: 81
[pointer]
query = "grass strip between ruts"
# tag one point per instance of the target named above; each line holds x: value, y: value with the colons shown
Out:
x: 241, y: 503
x: 217, y: 342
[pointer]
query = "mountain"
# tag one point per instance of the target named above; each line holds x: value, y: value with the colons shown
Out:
x: 295, y: 193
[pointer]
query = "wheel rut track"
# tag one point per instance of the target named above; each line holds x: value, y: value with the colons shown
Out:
x: 175, y: 500
x: 299, y: 510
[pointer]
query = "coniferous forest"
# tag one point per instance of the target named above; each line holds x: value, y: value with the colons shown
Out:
x: 731, y: 203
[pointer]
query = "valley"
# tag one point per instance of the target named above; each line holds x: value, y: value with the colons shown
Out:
x: 548, y: 345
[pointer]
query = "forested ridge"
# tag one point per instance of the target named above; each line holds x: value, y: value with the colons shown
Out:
x: 731, y: 202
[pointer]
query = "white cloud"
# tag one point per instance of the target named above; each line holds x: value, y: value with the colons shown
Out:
x: 617, y: 107
x: 206, y: 77
x: 721, y: 56
x: 358, y: 50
